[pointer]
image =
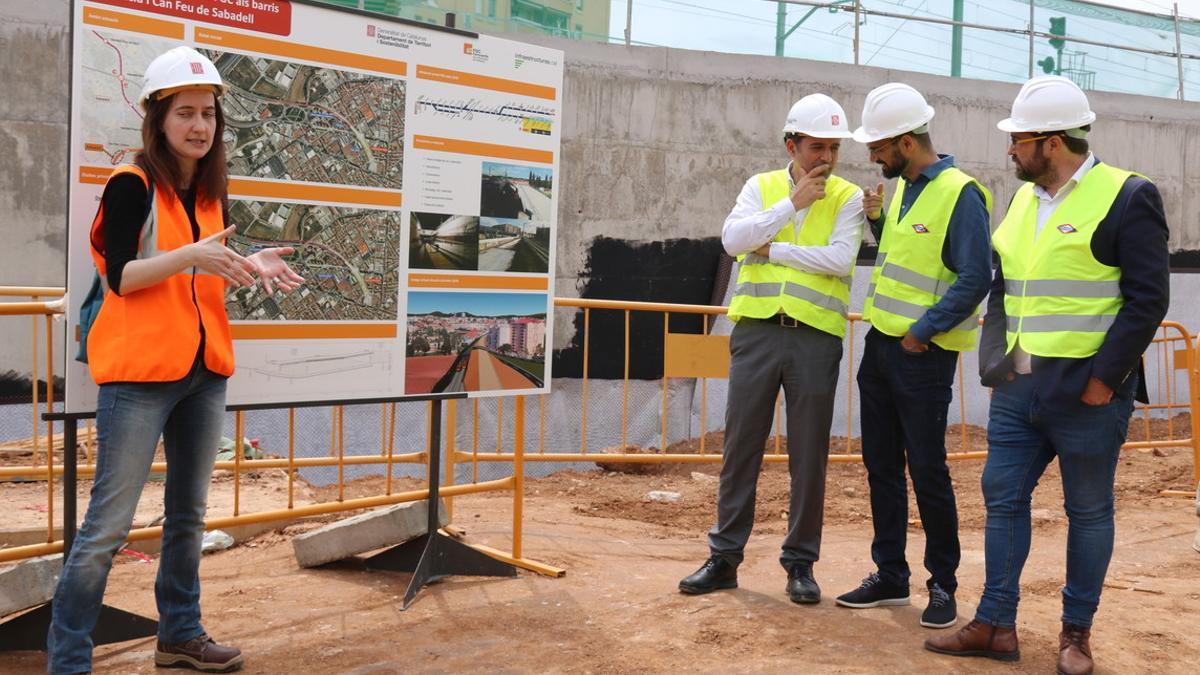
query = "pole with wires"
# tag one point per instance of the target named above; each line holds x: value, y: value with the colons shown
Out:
x: 956, y: 41
x: 628, y: 21
x: 1178, y: 52
x: 780, y: 22
x: 857, y: 19
x: 1030, y: 39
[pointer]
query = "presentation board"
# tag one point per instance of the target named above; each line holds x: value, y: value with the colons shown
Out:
x: 414, y: 169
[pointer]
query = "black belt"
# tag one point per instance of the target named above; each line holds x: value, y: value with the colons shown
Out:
x: 783, y: 320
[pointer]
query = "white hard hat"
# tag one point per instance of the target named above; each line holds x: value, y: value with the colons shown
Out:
x: 179, y: 68
x: 1048, y: 103
x: 818, y: 116
x: 892, y: 109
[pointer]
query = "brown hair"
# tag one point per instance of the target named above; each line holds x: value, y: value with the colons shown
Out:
x: 155, y: 158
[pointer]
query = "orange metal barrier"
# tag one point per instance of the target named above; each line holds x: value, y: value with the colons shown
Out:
x: 703, y: 357
x: 685, y: 356
x: 51, y: 467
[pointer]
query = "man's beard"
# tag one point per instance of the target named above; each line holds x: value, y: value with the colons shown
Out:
x: 1035, y: 168
x: 896, y: 168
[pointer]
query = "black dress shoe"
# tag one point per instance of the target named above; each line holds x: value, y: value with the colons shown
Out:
x: 716, y: 573
x: 801, y: 587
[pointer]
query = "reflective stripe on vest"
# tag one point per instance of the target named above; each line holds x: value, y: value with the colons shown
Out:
x: 765, y: 288
x: 153, y: 334
x: 902, y: 287
x: 1059, y: 301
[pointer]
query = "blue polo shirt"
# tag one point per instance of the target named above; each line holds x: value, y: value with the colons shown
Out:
x: 967, y: 252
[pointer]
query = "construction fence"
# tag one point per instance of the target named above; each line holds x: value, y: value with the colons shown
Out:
x: 492, y: 444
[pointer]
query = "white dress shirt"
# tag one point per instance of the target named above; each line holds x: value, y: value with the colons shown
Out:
x: 748, y: 227
x: 1022, y: 362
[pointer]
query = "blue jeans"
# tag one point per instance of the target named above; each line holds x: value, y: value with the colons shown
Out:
x: 904, y: 398
x: 1023, y: 438
x: 130, y: 416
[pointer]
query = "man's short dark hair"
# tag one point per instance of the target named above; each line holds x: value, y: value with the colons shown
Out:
x: 1078, y: 146
x: 923, y: 141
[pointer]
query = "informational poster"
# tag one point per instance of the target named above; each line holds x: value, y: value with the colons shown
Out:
x: 414, y: 170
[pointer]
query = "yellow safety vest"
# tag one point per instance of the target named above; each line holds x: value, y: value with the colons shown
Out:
x: 1059, y: 300
x: 909, y: 276
x: 765, y: 288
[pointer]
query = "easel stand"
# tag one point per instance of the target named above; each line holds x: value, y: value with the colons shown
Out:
x: 27, y: 631
x: 433, y: 555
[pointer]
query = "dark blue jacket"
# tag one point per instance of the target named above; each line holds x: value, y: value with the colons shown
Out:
x: 1132, y: 236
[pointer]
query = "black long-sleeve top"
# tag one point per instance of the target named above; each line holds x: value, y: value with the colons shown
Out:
x: 1132, y: 236
x: 125, y: 212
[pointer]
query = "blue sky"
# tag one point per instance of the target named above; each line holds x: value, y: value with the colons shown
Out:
x: 479, y: 304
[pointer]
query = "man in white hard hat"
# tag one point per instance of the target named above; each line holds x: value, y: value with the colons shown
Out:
x: 1078, y: 295
x: 796, y: 232
x: 932, y: 271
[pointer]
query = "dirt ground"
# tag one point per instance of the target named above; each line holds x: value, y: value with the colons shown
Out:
x: 617, y: 609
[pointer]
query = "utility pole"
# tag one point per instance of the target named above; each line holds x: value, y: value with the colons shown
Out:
x: 781, y: 35
x: 956, y: 42
x: 780, y: 22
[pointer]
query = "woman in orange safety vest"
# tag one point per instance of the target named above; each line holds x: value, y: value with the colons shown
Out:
x: 161, y: 351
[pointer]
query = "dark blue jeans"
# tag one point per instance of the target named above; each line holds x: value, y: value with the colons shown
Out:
x: 903, y: 399
x: 1023, y: 438
x: 130, y: 416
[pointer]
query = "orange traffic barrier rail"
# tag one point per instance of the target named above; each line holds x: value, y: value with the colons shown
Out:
x: 1172, y: 360
x: 1170, y: 364
x: 46, y: 466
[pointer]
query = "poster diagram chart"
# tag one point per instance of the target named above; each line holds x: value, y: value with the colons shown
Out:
x: 412, y: 170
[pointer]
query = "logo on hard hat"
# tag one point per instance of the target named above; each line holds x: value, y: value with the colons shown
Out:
x: 370, y: 30
x: 197, y: 68
x: 834, y: 120
x: 920, y: 229
x: 1066, y: 228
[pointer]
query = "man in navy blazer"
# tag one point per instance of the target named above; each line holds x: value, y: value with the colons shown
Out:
x: 1080, y: 290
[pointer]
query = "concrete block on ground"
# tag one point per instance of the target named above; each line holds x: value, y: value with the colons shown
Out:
x: 29, y: 583
x: 365, y: 532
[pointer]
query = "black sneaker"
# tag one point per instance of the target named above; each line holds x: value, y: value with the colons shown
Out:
x: 716, y: 573
x: 874, y: 592
x: 942, y: 612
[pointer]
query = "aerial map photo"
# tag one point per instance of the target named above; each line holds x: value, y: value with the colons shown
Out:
x: 292, y: 121
x: 348, y: 257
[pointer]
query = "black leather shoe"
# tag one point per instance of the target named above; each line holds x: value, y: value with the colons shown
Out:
x: 716, y: 573
x: 801, y: 587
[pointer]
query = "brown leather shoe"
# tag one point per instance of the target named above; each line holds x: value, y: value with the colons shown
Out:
x: 199, y: 653
x: 1074, y: 652
x: 978, y: 639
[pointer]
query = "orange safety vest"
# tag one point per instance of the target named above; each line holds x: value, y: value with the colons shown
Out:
x: 151, y: 335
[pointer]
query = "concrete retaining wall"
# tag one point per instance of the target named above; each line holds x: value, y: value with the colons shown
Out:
x: 656, y: 144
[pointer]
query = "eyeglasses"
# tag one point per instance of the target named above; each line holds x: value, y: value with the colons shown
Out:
x: 875, y: 150
x: 1013, y: 140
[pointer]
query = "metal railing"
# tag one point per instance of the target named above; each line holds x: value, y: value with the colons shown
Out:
x: 1172, y: 357
x: 51, y: 468
x: 1171, y: 353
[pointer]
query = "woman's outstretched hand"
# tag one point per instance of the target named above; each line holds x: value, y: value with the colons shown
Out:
x: 274, y: 270
x: 211, y: 255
